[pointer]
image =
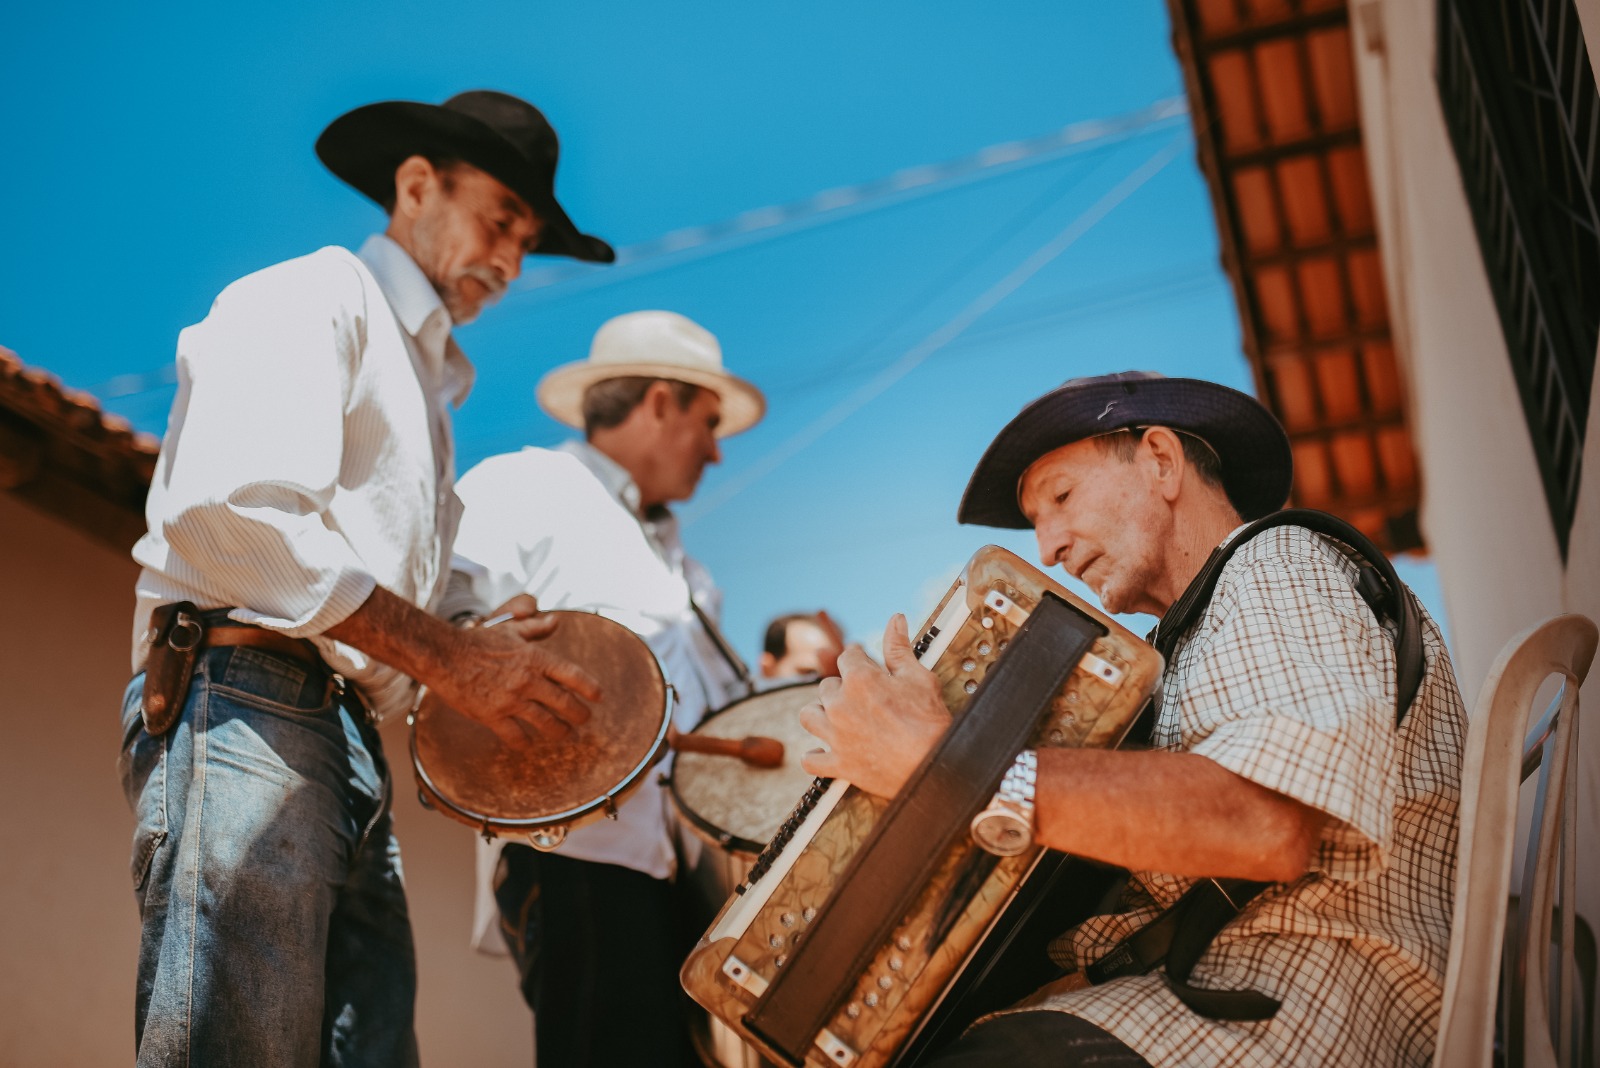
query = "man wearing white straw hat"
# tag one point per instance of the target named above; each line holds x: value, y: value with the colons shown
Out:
x: 586, y: 526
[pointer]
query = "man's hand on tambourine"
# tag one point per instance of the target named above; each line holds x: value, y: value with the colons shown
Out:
x: 547, y: 697
x: 877, y: 721
x: 499, y: 676
x: 503, y: 679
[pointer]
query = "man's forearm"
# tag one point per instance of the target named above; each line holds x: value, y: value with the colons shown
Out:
x: 398, y: 633
x: 1170, y: 812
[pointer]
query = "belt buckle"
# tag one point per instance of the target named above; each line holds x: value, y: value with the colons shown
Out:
x: 185, y: 634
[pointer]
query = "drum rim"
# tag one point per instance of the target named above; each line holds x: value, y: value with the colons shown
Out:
x: 571, y: 816
x: 714, y: 835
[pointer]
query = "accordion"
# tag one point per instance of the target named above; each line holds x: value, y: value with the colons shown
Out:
x: 866, y: 926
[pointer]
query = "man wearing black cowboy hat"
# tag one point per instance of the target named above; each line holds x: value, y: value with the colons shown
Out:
x: 300, y: 524
x: 1275, y: 756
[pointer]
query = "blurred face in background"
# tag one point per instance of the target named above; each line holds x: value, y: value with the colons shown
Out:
x: 808, y: 650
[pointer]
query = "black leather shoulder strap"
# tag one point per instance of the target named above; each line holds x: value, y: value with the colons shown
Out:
x: 1182, y: 933
x: 1377, y: 583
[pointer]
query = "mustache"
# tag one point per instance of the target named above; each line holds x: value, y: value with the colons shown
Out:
x: 489, y: 278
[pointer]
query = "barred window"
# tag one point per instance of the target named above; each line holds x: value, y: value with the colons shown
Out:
x: 1519, y: 99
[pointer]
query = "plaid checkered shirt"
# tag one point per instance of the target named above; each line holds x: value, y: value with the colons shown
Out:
x: 1289, y: 681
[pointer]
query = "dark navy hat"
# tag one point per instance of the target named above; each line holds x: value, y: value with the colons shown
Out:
x: 1248, y: 439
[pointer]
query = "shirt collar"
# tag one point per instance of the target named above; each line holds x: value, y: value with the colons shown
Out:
x: 420, y: 311
x: 612, y: 475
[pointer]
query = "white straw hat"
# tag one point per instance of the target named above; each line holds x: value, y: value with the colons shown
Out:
x: 652, y: 344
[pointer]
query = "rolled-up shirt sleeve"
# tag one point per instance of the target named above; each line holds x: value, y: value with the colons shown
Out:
x: 251, y: 470
x: 1292, y: 687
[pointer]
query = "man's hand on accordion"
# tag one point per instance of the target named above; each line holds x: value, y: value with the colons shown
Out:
x: 877, y: 721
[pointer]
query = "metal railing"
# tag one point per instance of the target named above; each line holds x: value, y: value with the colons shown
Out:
x: 1519, y: 98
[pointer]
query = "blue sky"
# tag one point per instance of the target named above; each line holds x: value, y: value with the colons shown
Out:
x: 157, y: 152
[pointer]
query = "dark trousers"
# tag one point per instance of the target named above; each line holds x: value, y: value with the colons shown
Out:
x: 598, y: 948
x: 1038, y: 1039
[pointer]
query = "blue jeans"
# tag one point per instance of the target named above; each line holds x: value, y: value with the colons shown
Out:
x: 267, y: 875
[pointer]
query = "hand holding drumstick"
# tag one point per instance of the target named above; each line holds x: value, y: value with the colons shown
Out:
x: 757, y: 751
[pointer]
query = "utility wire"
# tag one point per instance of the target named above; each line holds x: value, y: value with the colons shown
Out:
x: 831, y: 205
x: 136, y: 382
x: 887, y: 327
x: 1195, y: 282
x: 942, y: 336
x: 1037, y: 315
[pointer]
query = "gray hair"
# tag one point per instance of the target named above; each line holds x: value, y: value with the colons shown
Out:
x: 607, y: 403
x: 1124, y: 445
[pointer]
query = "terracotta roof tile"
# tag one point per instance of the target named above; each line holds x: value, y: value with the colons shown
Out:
x: 1273, y: 98
x: 62, y: 452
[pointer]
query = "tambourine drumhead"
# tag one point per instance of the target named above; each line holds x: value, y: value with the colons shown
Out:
x: 736, y: 805
x: 472, y: 776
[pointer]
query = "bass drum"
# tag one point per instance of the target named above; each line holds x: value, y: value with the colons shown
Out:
x: 735, y: 808
x: 538, y: 790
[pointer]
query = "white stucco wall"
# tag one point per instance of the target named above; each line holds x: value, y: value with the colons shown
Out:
x: 1483, y: 511
x: 69, y: 931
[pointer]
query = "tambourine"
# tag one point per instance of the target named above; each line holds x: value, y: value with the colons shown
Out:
x: 539, y: 790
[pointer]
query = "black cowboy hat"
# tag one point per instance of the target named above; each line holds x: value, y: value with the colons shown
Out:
x: 497, y: 133
x: 1248, y: 439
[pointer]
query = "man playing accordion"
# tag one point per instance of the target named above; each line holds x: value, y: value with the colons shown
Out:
x: 1275, y: 757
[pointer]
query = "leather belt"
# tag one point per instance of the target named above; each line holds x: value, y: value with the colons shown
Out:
x: 260, y: 638
x: 177, y: 633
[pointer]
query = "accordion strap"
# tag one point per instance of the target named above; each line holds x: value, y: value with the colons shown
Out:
x: 1376, y: 581
x: 1182, y: 933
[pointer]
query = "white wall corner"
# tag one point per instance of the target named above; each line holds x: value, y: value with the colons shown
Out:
x: 1368, y: 16
x: 1589, y: 15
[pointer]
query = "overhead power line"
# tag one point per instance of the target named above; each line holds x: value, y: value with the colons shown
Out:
x: 942, y: 336
x: 830, y: 205
x: 826, y: 373
x: 136, y: 382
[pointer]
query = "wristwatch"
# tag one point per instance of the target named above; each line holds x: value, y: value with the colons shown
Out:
x: 1005, y: 827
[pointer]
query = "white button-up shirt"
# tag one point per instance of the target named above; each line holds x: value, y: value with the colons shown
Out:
x: 565, y: 525
x: 309, y: 457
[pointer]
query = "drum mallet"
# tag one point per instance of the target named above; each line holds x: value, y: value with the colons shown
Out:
x: 755, y: 750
